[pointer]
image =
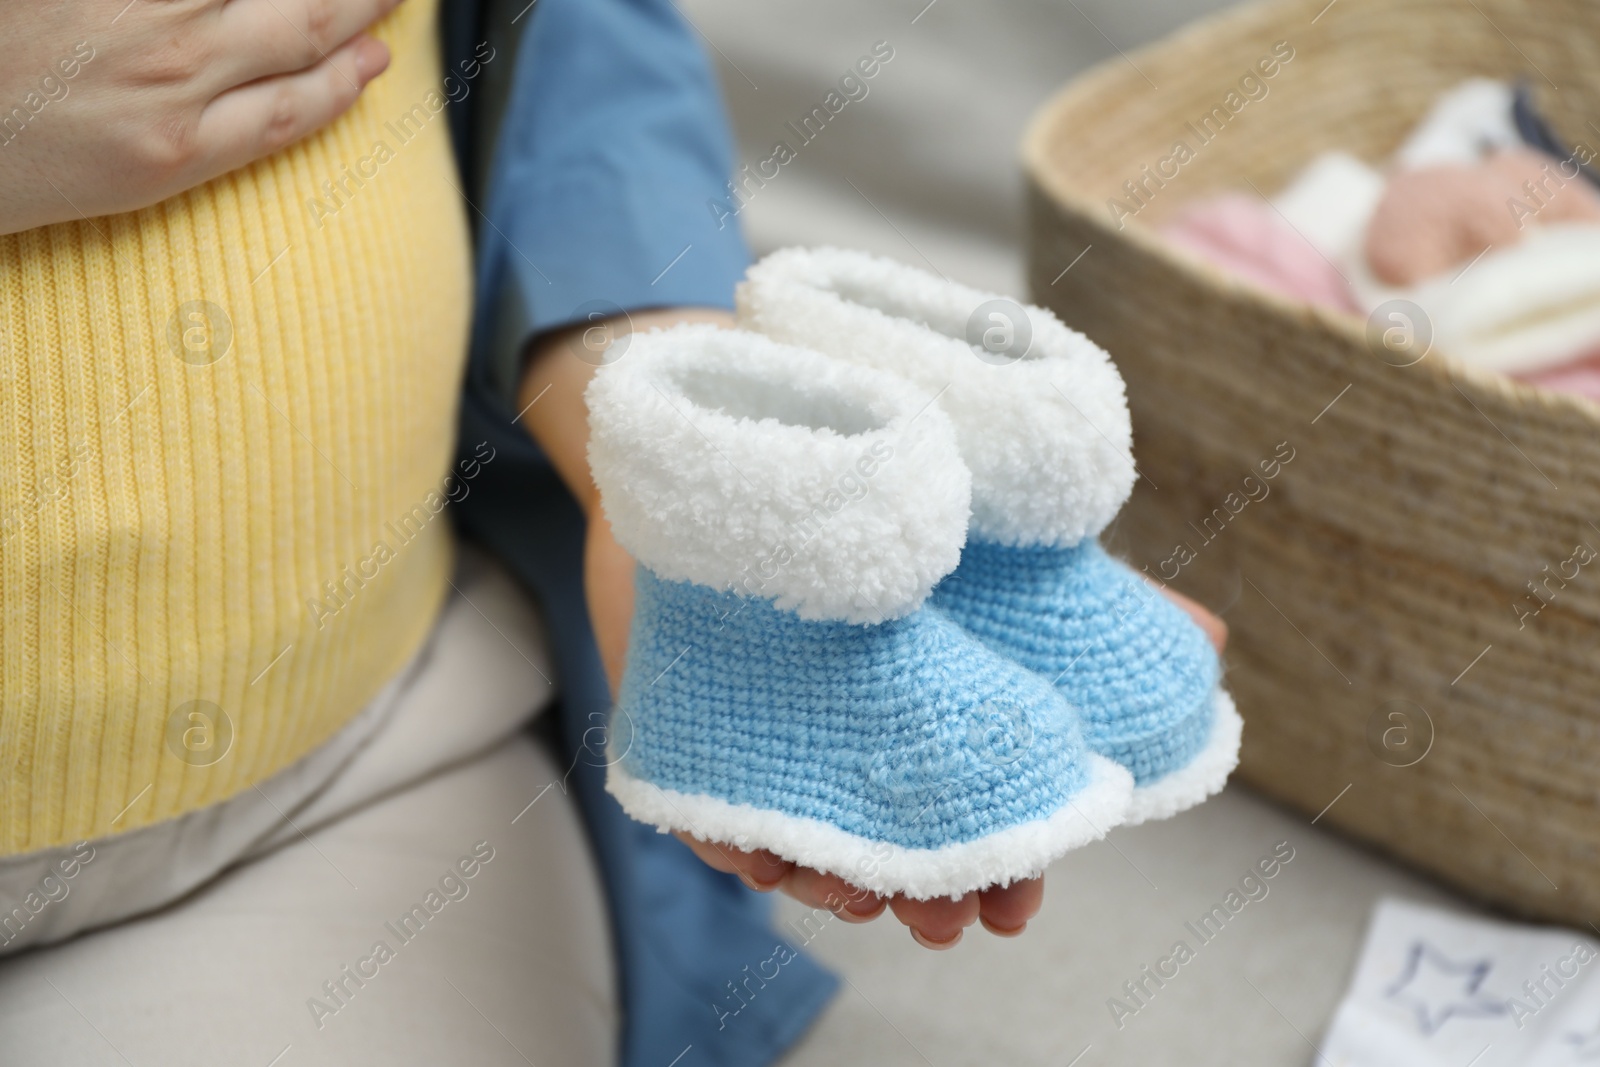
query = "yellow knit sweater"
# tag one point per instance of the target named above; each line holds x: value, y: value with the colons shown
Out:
x: 224, y: 426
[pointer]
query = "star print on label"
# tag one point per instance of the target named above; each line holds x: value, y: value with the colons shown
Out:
x: 1436, y: 989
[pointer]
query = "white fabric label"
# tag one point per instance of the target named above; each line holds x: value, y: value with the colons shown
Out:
x: 1433, y: 987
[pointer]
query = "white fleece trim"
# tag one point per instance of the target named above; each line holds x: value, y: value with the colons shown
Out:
x: 1202, y: 777
x: 726, y: 459
x: 1524, y: 308
x: 920, y: 873
x: 1048, y: 437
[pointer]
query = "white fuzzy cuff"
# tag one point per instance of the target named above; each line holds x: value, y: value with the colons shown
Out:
x: 729, y: 460
x: 1039, y: 409
x: 1003, y: 857
x: 1203, y: 777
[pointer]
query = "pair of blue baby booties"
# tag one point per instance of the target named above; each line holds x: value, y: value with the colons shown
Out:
x: 875, y: 631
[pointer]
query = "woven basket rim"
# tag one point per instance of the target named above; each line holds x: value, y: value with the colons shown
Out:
x: 1039, y: 135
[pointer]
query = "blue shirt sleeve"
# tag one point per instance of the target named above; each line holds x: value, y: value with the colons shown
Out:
x: 612, y: 152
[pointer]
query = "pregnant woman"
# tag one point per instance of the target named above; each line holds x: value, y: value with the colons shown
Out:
x: 242, y: 288
x: 265, y: 795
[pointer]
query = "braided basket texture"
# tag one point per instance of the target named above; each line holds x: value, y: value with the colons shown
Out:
x: 1414, y: 594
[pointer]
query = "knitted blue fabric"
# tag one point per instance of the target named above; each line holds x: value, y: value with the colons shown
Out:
x: 1139, y: 671
x: 907, y: 732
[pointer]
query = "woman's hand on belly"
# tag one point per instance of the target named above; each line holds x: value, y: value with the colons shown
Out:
x: 111, y: 105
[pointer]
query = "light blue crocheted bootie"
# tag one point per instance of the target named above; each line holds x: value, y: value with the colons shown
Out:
x: 1042, y: 422
x: 787, y: 688
x: 1141, y: 674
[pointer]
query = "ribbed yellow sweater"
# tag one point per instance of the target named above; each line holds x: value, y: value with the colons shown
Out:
x: 210, y: 410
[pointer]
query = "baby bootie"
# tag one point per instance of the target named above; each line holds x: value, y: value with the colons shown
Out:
x: 1042, y: 422
x: 786, y: 686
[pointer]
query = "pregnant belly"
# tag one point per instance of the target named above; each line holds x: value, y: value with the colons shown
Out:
x: 225, y: 422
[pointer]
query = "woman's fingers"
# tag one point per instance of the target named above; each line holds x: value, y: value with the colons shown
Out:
x: 715, y: 856
x: 937, y: 923
x: 1005, y: 910
x: 764, y: 871
x: 257, y: 39
x: 759, y: 870
x: 818, y: 890
x: 1213, y: 625
x: 179, y: 93
x: 256, y: 120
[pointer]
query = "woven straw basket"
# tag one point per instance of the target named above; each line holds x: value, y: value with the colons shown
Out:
x: 1384, y: 652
